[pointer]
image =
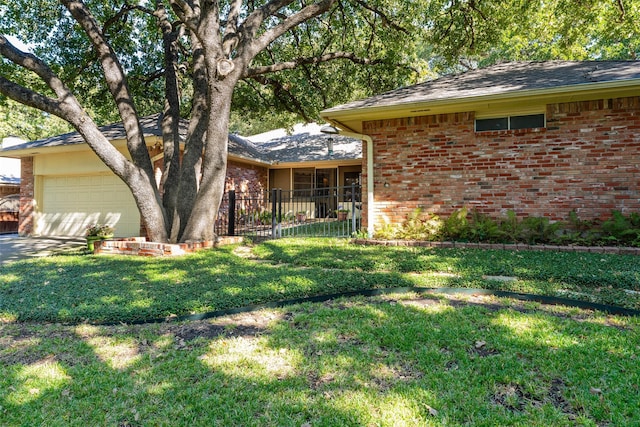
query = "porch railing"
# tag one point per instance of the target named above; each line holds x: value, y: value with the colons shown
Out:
x: 331, y: 211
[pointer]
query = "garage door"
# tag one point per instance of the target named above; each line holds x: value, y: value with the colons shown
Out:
x: 71, y: 204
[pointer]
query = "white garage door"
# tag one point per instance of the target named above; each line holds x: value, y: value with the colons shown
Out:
x: 71, y: 204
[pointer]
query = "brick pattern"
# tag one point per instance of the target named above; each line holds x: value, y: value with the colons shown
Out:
x: 141, y: 247
x: 27, y: 197
x: 246, y: 179
x: 587, y: 159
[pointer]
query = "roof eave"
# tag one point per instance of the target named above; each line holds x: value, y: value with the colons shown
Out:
x: 612, y: 89
x: 18, y: 153
x: 248, y: 160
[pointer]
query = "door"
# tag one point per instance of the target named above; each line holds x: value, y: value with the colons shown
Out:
x: 70, y: 204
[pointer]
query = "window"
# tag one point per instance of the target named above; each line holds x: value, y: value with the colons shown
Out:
x: 510, y: 122
x: 303, y: 182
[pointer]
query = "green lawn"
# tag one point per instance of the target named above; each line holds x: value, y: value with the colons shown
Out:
x: 124, y: 289
x: 398, y: 359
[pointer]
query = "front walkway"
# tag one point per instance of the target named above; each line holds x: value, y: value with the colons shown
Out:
x: 14, y: 247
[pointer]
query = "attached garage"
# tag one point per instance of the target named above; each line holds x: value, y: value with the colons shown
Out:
x: 70, y: 204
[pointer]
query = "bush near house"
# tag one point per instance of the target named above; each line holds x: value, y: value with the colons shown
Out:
x: 472, y: 226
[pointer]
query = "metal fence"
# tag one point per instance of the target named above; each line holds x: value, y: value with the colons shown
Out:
x: 323, y: 212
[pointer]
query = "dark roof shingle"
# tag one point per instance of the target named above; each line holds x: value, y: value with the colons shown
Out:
x: 500, y: 79
x: 307, y: 145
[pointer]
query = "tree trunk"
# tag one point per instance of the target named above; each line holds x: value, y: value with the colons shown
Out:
x: 200, y: 225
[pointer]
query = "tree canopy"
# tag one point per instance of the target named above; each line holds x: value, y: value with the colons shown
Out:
x: 404, y: 42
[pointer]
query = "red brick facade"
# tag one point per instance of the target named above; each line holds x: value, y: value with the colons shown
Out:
x: 246, y: 179
x: 27, y: 197
x: 587, y: 159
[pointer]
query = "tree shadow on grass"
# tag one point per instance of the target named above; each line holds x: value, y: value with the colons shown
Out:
x: 606, y: 278
x: 354, y: 361
x: 127, y: 289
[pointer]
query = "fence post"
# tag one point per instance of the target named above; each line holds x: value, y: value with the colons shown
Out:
x: 353, y: 208
x: 231, y: 226
x: 279, y: 212
x: 274, y: 207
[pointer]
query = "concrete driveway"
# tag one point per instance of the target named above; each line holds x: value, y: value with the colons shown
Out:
x: 14, y: 247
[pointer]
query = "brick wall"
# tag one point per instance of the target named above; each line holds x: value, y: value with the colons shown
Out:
x: 587, y: 160
x: 27, y: 197
x: 246, y: 179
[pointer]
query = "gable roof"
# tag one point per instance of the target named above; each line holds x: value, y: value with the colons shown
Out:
x: 151, y: 126
x: 501, y: 81
x: 306, y: 144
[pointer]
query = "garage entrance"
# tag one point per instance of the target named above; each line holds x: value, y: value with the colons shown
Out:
x: 70, y: 204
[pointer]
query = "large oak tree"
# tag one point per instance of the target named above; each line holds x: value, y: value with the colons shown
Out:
x: 263, y: 59
x: 188, y: 57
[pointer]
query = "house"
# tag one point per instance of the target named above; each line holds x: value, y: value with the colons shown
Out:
x: 537, y: 138
x: 9, y: 190
x: 65, y: 187
x: 9, y: 170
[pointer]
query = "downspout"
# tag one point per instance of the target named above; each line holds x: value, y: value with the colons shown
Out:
x: 370, y: 198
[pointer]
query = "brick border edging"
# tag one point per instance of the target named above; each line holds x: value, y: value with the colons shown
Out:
x: 141, y: 247
x: 621, y: 250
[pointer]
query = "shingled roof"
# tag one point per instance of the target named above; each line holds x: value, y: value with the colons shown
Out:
x: 306, y: 144
x: 151, y: 126
x: 503, y: 78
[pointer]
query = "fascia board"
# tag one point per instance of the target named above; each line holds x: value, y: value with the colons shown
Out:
x: 583, y: 92
x: 316, y: 164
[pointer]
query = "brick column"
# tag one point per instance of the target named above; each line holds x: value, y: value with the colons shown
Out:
x: 27, y: 197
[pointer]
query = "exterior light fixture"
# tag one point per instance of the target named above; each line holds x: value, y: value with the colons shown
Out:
x: 328, y: 129
x: 386, y: 184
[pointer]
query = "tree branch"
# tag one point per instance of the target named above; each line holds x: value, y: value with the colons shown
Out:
x: 117, y: 83
x: 66, y: 106
x: 185, y: 12
x: 622, y: 11
x: 306, y: 13
x: 289, y: 65
x: 250, y: 26
x: 283, y: 93
x: 126, y: 8
x: 385, y: 18
x: 230, y: 40
x: 29, y: 97
x: 34, y: 64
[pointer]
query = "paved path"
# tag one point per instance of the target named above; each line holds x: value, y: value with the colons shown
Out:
x: 14, y: 247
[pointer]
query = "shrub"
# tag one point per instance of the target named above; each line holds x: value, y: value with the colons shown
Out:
x: 456, y: 227
x: 539, y: 230
x: 618, y: 230
x: 483, y: 228
x: 417, y: 226
x: 511, y: 228
x: 621, y: 230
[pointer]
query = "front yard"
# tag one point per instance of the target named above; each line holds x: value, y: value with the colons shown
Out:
x: 397, y: 359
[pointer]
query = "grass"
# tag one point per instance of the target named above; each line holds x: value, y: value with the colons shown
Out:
x: 397, y: 360
x: 98, y: 289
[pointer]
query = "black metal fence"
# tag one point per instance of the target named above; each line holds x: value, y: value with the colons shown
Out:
x: 323, y: 212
